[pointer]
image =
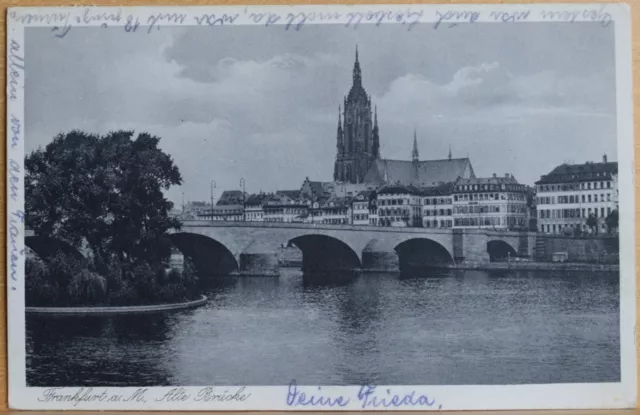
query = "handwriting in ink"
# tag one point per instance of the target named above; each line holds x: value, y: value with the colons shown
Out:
x: 16, y: 220
x: 16, y: 68
x: 298, y: 20
x: 507, y: 17
x: 16, y: 130
x: 410, y: 18
x: 14, y: 179
x: 571, y: 15
x: 171, y: 18
x: 297, y: 398
x: 216, y: 19
x: 90, y: 16
x: 369, y: 399
x: 454, y: 17
x: 130, y: 25
x: 271, y: 18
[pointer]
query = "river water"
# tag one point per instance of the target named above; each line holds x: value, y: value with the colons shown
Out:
x: 443, y: 327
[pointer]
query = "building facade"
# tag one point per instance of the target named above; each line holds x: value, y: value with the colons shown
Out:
x: 361, y: 207
x: 571, y: 193
x: 357, y: 141
x: 399, y: 206
x: 494, y: 202
x: 223, y: 213
x: 437, y: 206
x: 282, y: 208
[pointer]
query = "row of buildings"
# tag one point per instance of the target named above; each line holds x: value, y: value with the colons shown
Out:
x: 560, y: 203
x: 495, y: 202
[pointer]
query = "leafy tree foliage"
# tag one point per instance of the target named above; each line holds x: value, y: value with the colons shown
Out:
x: 105, y: 190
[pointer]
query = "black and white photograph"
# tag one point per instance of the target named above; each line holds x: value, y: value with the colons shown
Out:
x: 421, y: 198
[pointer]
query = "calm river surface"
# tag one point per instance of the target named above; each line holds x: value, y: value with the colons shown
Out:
x: 445, y: 327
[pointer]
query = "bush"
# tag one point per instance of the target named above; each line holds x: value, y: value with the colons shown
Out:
x: 87, y: 288
x: 66, y: 281
x: 40, y: 291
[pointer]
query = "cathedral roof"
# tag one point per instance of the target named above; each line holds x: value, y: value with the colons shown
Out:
x: 428, y: 173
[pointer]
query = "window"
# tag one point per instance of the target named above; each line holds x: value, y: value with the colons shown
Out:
x: 589, y: 198
x: 602, y: 212
x: 589, y: 185
x: 608, y: 197
x: 602, y: 197
x: 583, y: 199
x: 608, y: 185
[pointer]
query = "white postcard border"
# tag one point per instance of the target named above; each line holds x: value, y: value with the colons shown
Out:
x: 141, y: 20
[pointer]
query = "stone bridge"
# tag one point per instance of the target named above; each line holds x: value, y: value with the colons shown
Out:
x: 253, y: 248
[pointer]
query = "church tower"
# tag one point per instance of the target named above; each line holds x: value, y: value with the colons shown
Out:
x: 358, y: 141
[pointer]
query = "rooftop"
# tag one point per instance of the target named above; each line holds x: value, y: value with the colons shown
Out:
x: 571, y: 173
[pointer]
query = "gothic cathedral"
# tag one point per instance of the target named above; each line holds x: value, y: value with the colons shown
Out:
x: 358, y: 142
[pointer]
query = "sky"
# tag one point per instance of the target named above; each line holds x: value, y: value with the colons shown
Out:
x: 262, y: 103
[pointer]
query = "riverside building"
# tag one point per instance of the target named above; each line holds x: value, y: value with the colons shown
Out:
x: 570, y: 193
x: 399, y: 206
x: 493, y: 202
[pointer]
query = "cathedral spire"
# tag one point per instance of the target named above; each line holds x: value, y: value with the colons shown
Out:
x: 357, y: 75
x: 449, y: 151
x: 340, y: 135
x: 375, y: 146
x: 414, y: 154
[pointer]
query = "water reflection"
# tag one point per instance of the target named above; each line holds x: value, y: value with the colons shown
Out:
x: 422, y: 327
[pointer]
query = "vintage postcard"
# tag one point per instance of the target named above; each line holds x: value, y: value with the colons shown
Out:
x: 390, y: 207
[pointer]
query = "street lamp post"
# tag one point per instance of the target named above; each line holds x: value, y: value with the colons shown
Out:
x: 242, y: 185
x: 213, y: 186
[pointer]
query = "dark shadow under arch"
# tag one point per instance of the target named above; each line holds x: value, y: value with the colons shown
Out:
x: 210, y: 257
x: 46, y: 248
x: 420, y: 253
x: 500, y: 250
x: 324, y: 253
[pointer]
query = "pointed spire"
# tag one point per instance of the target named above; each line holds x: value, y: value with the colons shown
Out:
x: 386, y: 173
x: 340, y: 119
x: 449, y: 151
x: 414, y: 154
x: 357, y: 76
x: 375, y: 116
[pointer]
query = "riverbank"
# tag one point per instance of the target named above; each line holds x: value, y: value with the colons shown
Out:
x: 107, y: 311
x: 538, y: 266
x: 525, y: 266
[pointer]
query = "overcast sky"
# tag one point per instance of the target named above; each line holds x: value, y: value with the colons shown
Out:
x: 262, y: 103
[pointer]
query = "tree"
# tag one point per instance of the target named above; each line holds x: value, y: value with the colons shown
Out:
x: 592, y: 222
x: 612, y: 221
x: 106, y: 190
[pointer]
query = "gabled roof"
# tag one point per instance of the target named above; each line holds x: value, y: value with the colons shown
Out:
x: 568, y: 173
x: 398, y: 189
x: 230, y: 197
x: 441, y: 190
x: 294, y: 194
x: 428, y: 173
x: 256, y: 199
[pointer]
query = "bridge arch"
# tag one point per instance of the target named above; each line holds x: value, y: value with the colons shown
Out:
x: 326, y: 253
x: 210, y: 257
x: 46, y: 248
x: 500, y: 250
x: 415, y: 253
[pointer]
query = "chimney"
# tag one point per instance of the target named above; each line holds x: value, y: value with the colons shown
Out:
x: 506, y: 175
x: 604, y: 158
x: 495, y: 175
